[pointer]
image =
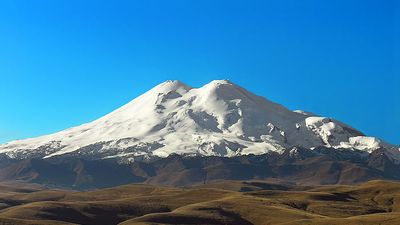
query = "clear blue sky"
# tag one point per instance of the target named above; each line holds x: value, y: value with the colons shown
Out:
x: 63, y: 63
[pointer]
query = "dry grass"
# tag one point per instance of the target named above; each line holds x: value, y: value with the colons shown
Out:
x: 226, y: 202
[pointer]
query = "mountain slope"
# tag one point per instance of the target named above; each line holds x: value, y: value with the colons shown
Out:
x: 218, y: 119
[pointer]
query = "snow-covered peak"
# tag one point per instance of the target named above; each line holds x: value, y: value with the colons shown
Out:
x: 219, y: 82
x: 226, y: 90
x: 170, y: 85
x: 219, y: 118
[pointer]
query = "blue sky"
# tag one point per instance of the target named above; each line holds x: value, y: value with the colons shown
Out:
x: 63, y: 63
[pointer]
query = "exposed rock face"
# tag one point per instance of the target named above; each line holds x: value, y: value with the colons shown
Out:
x: 299, y: 165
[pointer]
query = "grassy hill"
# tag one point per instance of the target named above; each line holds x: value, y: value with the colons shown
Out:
x: 225, y: 202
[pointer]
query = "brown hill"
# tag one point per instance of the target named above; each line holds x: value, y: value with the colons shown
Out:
x: 226, y: 202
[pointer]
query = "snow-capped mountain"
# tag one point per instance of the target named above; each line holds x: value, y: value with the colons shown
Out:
x: 220, y: 119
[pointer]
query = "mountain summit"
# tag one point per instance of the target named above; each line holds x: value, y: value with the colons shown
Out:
x: 220, y: 119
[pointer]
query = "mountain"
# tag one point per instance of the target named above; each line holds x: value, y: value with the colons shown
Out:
x: 218, y: 119
x: 177, y: 135
x: 301, y: 166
